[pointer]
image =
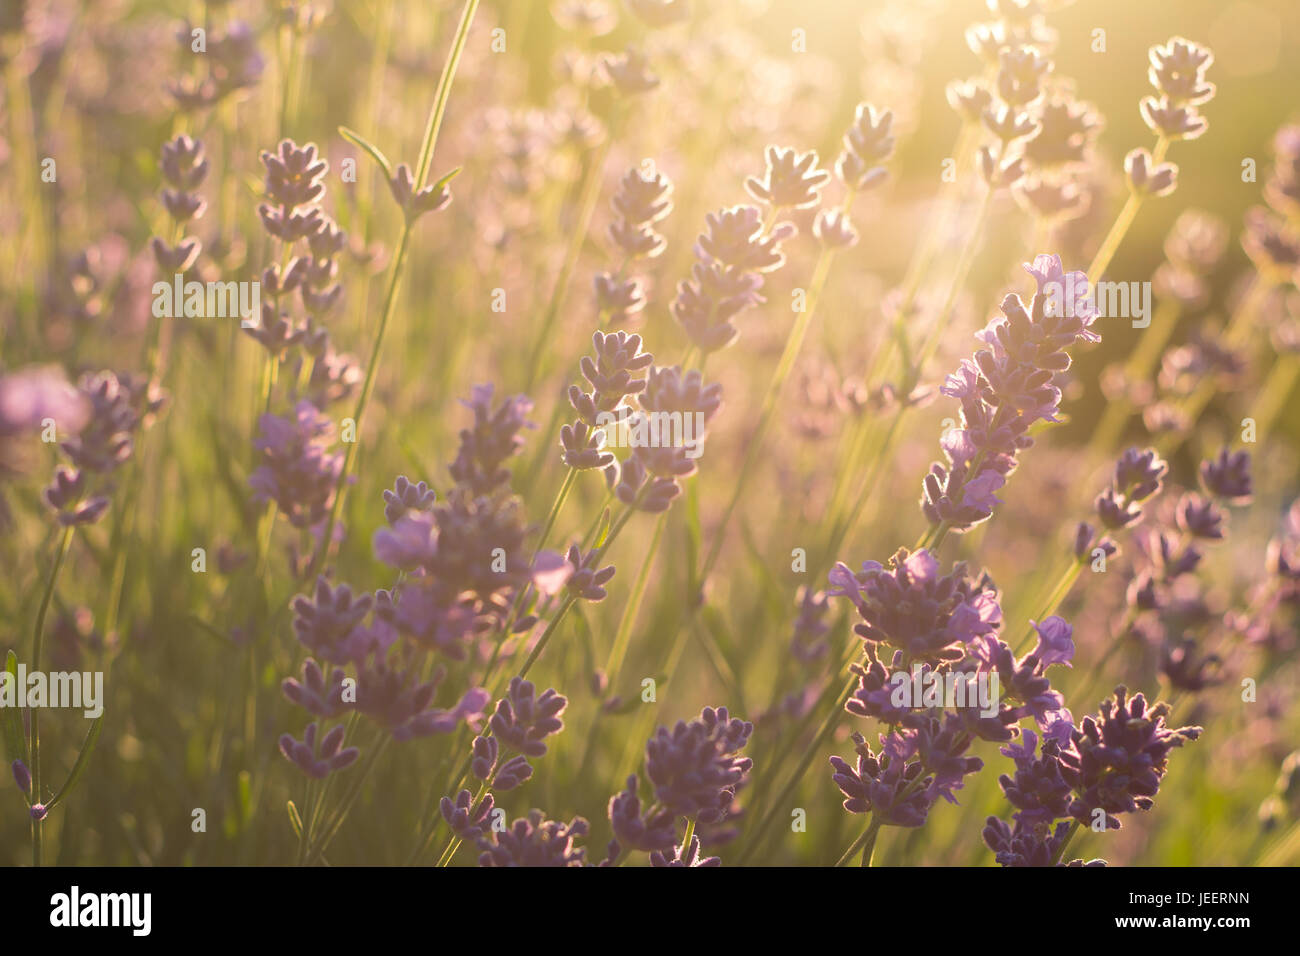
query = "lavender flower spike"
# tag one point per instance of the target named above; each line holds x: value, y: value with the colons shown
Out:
x: 1004, y: 389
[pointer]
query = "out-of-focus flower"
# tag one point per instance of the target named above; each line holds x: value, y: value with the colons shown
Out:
x: 1228, y: 476
x: 298, y: 471
x: 790, y: 181
x: 1146, y: 178
x: 493, y: 438
x: 629, y: 72
x: 588, y: 580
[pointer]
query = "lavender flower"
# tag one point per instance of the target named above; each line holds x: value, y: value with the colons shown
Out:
x: 413, y: 202
x: 644, y: 198
x: 694, y: 767
x: 867, y: 144
x: 883, y: 784
x: 293, y: 180
x: 493, y: 439
x: 31, y: 395
x: 523, y: 720
x: 911, y: 607
x: 535, y: 841
x: 318, y: 761
x: 1005, y: 389
x: 1178, y: 75
x: 1029, y: 844
x: 312, y: 693
x: 633, y: 830
x: 647, y: 480
x: 327, y: 622
x: 1227, y: 477
x: 298, y: 471
x: 791, y: 180
x: 629, y: 72
x: 732, y: 256
x: 588, y: 580
x: 1116, y: 760
x: 463, y: 818
x: 1038, y: 791
x: 1138, y: 477
x: 810, y: 628
x: 22, y: 776
x: 406, y: 496
x: 391, y: 693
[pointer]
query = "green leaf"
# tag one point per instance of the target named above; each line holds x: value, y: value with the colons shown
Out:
x: 83, y: 758
x: 602, y: 529
x: 295, y: 820
x: 11, y: 720
x: 355, y: 138
x: 446, y: 179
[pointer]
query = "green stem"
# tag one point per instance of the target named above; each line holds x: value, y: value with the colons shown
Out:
x: 618, y: 651
x: 686, y: 837
x: 399, y: 262
x: 1065, y: 844
x: 793, y: 345
x: 60, y: 553
x: 1118, y: 229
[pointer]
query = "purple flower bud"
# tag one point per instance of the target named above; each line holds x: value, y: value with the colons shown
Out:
x: 1228, y: 477
x: 22, y: 776
x: 522, y: 720
x: 463, y: 820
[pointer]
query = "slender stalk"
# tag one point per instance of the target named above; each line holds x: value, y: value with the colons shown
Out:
x: 38, y: 636
x: 1065, y: 844
x: 546, y: 636
x: 586, y: 209
x: 399, y: 262
x: 1272, y: 397
x: 1120, y: 227
x: 810, y: 754
x: 793, y: 345
x: 869, y: 849
x: 686, y: 837
x: 622, y: 636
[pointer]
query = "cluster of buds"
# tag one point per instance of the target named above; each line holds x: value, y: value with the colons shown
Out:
x: 232, y: 60
x: 294, y: 187
x: 1178, y: 75
x: 118, y: 408
x: 612, y: 377
x: 732, y: 255
x: 1194, y: 246
x: 184, y: 168
x: 644, y: 198
x: 648, y: 479
x: 1272, y: 235
x: 868, y: 143
x: 1056, y: 155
